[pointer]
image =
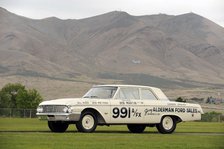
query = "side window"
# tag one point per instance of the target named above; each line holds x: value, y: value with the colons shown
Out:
x: 148, y: 95
x: 128, y: 93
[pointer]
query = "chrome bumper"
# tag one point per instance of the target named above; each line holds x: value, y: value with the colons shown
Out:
x: 58, y: 116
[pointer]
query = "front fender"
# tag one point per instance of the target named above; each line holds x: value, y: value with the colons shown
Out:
x: 97, y: 112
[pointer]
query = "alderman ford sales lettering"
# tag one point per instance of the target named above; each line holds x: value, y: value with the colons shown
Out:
x: 178, y: 110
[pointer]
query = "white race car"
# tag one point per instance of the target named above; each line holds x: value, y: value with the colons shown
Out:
x: 131, y: 105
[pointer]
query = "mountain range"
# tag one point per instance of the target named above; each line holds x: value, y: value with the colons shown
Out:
x: 182, y: 50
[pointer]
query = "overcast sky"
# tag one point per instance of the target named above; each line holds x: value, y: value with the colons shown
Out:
x: 76, y: 9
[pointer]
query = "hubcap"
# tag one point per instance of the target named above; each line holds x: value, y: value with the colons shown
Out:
x: 88, y: 122
x: 167, y: 123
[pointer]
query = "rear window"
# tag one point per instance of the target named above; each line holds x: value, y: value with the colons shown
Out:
x: 147, y: 95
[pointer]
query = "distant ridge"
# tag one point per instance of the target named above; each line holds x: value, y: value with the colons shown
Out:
x: 185, y: 48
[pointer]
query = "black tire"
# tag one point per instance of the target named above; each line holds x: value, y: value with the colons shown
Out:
x: 167, y: 125
x: 87, y: 123
x: 57, y: 126
x: 136, y: 128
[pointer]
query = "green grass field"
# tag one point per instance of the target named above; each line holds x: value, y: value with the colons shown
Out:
x: 18, y: 133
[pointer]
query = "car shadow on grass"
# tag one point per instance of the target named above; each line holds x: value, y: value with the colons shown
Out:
x: 75, y: 131
x: 114, y: 132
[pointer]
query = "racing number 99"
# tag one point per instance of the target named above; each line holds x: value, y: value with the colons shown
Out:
x: 122, y: 113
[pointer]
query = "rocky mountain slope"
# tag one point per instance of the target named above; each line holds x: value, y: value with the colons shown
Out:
x: 183, y: 49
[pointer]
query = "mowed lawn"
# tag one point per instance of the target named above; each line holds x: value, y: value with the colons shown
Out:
x: 18, y: 133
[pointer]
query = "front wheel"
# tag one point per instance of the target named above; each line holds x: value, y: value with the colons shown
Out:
x: 57, y: 126
x: 136, y: 128
x: 87, y: 122
x: 167, y: 125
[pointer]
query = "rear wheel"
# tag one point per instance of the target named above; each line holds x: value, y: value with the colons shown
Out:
x: 167, y: 125
x: 87, y: 123
x: 57, y: 126
x: 136, y: 128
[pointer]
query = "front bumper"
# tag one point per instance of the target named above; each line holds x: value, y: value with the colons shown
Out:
x: 59, y: 116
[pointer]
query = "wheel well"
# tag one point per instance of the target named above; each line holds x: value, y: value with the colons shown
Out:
x: 175, y: 117
x: 97, y: 114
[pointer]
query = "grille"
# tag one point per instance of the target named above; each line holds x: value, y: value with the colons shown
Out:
x: 53, y: 109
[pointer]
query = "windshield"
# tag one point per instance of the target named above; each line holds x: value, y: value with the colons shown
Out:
x: 101, y: 92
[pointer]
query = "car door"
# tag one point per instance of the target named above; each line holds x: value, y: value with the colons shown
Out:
x: 151, y: 102
x: 127, y: 107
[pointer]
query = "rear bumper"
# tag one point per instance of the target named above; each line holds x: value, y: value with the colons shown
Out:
x: 58, y: 116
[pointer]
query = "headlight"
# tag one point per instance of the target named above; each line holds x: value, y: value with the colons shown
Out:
x: 67, y: 109
x: 40, y: 109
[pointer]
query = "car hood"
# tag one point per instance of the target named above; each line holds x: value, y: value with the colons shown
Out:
x: 62, y: 101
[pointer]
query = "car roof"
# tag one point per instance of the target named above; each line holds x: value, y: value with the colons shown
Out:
x: 121, y: 85
x: 156, y: 90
